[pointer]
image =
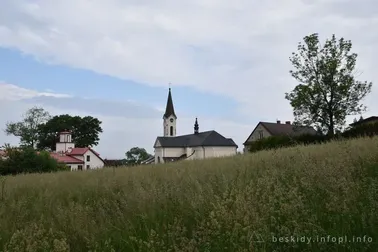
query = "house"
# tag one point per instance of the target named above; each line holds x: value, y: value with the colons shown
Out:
x: 369, y: 120
x: 199, y: 145
x: 76, y: 158
x: 267, y: 129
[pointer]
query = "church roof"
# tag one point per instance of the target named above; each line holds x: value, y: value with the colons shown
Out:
x: 207, y: 138
x: 169, y: 110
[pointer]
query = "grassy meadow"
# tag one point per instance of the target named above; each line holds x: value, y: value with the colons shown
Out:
x: 242, y: 203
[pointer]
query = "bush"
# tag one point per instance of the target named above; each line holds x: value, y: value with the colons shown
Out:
x: 27, y: 160
x: 275, y: 142
x: 115, y: 162
x: 369, y: 129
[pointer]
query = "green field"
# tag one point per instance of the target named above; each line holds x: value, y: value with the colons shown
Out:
x: 243, y: 203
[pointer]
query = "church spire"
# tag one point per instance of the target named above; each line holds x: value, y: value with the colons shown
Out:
x: 196, y: 127
x: 169, y: 110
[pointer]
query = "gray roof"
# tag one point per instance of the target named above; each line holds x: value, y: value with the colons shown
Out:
x: 207, y: 138
x: 287, y: 129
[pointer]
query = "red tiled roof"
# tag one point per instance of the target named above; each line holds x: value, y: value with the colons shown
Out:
x: 82, y: 151
x: 78, y: 151
x: 66, y: 159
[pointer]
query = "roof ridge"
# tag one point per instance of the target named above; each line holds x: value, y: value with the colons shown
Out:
x: 204, y: 140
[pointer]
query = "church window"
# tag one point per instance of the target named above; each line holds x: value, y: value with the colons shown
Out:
x: 171, y: 129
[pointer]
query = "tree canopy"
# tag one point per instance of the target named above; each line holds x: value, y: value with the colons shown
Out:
x: 85, y: 131
x: 27, y: 129
x: 328, y: 90
x: 39, y: 130
x: 136, y: 155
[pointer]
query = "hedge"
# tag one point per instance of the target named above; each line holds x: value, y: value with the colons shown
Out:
x: 275, y: 142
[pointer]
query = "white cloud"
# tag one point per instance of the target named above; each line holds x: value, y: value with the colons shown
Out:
x: 125, y: 125
x: 12, y: 92
x: 235, y: 48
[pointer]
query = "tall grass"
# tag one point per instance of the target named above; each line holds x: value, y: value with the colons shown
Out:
x: 243, y: 203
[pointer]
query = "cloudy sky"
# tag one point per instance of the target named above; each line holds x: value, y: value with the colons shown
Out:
x: 228, y: 61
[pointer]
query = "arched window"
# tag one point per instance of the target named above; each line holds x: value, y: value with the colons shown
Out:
x: 158, y: 160
x: 171, y: 129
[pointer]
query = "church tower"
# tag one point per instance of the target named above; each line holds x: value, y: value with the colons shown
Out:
x: 169, y: 118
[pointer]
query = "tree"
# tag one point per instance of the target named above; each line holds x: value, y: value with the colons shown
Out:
x: 85, y: 131
x: 136, y: 155
x: 27, y: 129
x: 328, y: 90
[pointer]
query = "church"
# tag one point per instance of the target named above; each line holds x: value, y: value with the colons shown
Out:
x: 199, y: 145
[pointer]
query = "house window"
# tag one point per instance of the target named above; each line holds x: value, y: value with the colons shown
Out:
x: 171, y: 129
x: 261, y: 134
x: 80, y: 167
x: 88, y: 167
x: 88, y: 158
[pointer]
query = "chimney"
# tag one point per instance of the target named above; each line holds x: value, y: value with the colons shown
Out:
x: 287, y: 122
x: 278, y: 122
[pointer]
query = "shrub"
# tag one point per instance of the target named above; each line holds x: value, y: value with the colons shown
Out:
x: 369, y: 129
x: 275, y: 142
x: 27, y: 160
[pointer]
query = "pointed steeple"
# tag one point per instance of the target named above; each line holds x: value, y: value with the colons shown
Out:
x: 196, y: 127
x: 169, y: 110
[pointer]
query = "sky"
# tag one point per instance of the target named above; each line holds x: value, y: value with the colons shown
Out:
x: 227, y: 61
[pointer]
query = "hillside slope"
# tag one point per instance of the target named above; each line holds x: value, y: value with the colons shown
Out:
x: 244, y: 203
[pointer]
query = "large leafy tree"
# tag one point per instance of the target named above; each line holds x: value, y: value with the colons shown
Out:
x: 136, y: 155
x: 85, y: 131
x: 27, y: 129
x: 328, y: 90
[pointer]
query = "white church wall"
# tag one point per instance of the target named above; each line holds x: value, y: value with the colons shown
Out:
x: 158, y: 155
x: 199, y: 152
x: 174, y: 152
x: 168, y: 152
x: 220, y: 151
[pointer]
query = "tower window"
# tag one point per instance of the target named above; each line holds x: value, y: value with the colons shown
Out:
x: 171, y: 130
